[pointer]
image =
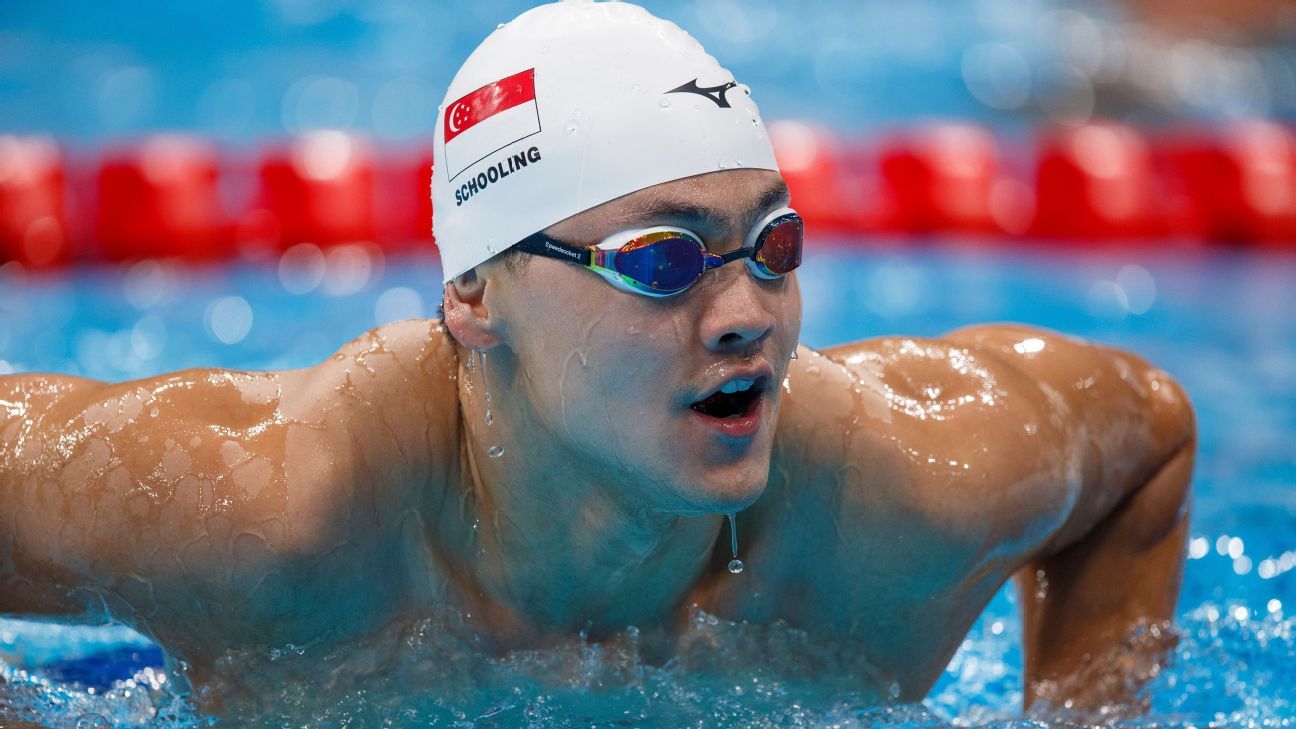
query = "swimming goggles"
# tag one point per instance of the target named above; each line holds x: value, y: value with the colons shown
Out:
x: 665, y: 261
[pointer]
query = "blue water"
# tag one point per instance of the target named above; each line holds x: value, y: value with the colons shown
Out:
x: 1222, y: 322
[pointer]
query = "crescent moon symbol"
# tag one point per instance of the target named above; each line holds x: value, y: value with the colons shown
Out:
x: 454, y: 111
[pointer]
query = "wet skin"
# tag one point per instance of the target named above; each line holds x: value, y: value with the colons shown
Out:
x: 892, y: 487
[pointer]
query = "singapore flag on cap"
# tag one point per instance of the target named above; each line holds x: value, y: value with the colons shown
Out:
x: 489, y: 119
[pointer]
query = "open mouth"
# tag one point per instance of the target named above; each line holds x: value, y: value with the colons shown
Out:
x: 740, y: 400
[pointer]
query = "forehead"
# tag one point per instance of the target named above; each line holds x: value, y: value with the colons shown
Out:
x: 729, y: 199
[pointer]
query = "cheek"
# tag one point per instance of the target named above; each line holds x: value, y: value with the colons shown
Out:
x: 597, y: 359
x: 790, y: 316
x: 632, y: 363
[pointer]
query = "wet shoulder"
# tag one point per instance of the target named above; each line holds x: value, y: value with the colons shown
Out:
x: 387, y: 405
x: 930, y: 436
x: 396, y: 387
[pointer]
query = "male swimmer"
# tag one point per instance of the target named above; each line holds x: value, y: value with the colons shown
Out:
x: 617, y: 371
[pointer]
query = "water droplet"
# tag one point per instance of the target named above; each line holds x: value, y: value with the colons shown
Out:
x: 488, y: 397
x: 490, y: 248
x: 721, y: 164
x: 664, y: 103
x: 794, y: 352
x: 572, y: 126
x: 490, y: 417
x: 501, y: 25
x: 735, y: 564
x: 481, y: 551
x: 494, y: 452
x: 738, y: 162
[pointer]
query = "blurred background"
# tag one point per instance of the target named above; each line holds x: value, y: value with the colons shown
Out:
x: 246, y: 185
x: 239, y: 73
x: 210, y: 131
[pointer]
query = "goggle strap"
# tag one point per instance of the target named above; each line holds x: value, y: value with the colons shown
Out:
x: 543, y: 245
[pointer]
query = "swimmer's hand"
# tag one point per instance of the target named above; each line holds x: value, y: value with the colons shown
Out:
x: 1099, y: 597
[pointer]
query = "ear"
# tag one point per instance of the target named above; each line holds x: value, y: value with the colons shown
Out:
x: 466, y: 314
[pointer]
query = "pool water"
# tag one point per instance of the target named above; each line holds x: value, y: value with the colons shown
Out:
x: 1221, y: 321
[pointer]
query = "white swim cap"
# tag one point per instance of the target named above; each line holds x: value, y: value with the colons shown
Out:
x: 569, y: 106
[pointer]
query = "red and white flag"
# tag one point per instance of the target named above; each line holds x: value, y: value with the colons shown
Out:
x: 489, y: 119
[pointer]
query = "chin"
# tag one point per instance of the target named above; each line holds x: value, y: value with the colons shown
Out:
x: 724, y: 493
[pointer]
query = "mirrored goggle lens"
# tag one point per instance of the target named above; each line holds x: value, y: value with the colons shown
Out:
x: 669, y: 263
x: 780, y: 248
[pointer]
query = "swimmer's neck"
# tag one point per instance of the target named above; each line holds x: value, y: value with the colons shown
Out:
x: 553, y: 545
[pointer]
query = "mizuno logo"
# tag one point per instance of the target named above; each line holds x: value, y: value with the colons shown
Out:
x: 714, y: 93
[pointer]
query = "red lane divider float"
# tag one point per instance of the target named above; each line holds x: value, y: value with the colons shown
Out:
x: 33, y: 229
x: 159, y: 198
x: 403, y: 183
x: 942, y: 178
x: 318, y: 189
x: 1238, y: 182
x: 833, y: 186
x: 1096, y: 184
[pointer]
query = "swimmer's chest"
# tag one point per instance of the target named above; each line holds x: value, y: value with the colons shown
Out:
x: 888, y: 581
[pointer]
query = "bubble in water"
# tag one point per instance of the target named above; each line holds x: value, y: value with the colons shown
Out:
x: 488, y: 397
x: 93, y: 721
x: 736, y: 566
x: 494, y: 452
x: 490, y: 417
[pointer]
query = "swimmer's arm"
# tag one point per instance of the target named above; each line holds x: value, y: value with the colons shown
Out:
x: 211, y: 499
x: 106, y: 489
x: 30, y: 585
x: 1098, y: 614
x: 1115, y: 563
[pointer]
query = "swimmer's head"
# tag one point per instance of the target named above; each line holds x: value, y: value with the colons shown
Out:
x: 569, y: 106
x: 585, y: 121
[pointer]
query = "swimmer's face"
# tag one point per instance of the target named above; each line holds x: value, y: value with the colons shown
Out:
x: 611, y: 377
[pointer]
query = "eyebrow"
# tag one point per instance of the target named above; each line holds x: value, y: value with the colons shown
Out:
x: 707, y: 218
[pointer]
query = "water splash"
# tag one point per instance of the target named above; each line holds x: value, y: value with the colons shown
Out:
x: 1240, y: 665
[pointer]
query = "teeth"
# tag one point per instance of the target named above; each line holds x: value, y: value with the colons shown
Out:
x: 733, y: 386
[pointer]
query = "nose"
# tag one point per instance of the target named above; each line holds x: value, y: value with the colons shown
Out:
x: 736, y: 316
